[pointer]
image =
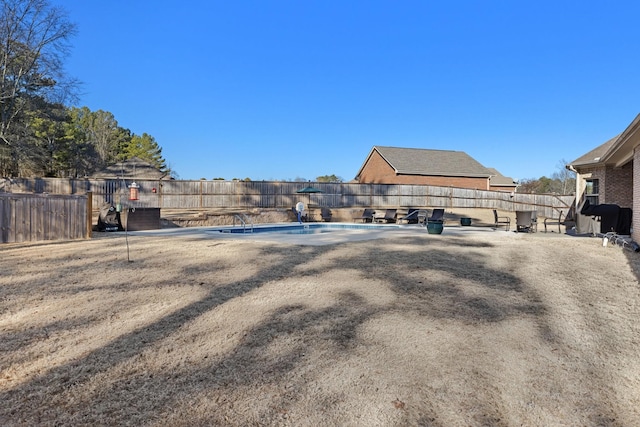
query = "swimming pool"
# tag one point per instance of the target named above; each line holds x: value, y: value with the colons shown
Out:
x: 313, y: 228
x: 309, y: 233
x: 312, y: 234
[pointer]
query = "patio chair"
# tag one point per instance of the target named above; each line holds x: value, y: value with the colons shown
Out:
x: 326, y: 214
x: 554, y: 221
x: 410, y: 218
x: 501, y: 220
x: 526, y: 221
x: 436, y: 216
x: 366, y: 216
x: 389, y: 216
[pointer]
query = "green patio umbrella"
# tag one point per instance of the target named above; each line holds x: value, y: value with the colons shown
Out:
x: 309, y: 190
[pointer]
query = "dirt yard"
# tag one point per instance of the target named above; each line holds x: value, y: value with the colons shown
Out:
x: 499, y: 329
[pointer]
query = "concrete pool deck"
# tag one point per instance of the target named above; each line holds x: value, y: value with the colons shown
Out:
x: 335, y: 236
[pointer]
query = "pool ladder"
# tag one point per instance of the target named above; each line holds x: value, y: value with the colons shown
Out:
x: 243, y: 220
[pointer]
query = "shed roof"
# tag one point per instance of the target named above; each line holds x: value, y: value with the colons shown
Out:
x: 421, y: 161
x: 134, y: 167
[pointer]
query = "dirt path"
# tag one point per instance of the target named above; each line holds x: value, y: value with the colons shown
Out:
x: 495, y: 329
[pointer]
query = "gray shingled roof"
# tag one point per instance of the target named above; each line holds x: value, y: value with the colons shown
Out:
x: 131, y: 168
x: 420, y: 161
x: 594, y: 155
x: 497, y: 179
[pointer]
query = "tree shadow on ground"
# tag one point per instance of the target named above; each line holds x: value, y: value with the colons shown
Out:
x: 427, y: 280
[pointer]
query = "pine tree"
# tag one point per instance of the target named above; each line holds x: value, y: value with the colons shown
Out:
x: 146, y: 148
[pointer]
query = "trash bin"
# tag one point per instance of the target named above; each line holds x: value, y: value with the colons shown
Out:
x: 465, y: 221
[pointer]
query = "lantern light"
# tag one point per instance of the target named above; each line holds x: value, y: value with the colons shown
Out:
x: 133, y: 191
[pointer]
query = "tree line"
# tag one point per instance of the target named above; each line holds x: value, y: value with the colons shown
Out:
x: 323, y: 178
x: 563, y: 181
x: 40, y: 133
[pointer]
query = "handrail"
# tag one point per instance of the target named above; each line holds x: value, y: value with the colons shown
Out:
x: 243, y: 219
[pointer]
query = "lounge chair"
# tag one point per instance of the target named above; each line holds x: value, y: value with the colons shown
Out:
x: 410, y: 218
x: 389, y: 216
x: 326, y: 214
x: 501, y: 220
x: 436, y: 216
x: 366, y: 216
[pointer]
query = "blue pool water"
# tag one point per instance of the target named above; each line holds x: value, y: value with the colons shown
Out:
x: 314, y: 228
x: 303, y: 231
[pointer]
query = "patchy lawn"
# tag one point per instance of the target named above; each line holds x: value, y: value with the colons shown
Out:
x: 499, y: 329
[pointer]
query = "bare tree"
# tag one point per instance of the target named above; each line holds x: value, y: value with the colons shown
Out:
x: 34, y: 40
x: 100, y: 129
x: 565, y: 178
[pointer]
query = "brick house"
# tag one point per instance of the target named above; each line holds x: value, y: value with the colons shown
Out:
x: 499, y: 182
x: 605, y: 175
x: 393, y: 165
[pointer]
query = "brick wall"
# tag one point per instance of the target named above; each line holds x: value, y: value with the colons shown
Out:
x: 619, y: 185
x: 598, y: 173
x: 635, y: 222
x: 502, y: 188
x: 378, y: 171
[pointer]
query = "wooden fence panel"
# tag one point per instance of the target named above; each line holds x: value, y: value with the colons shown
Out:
x: 10, y: 223
x: 4, y: 219
x: 242, y: 195
x: 37, y: 217
x: 21, y: 213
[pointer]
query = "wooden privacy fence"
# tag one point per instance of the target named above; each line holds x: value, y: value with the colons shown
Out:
x: 34, y: 217
x: 243, y: 195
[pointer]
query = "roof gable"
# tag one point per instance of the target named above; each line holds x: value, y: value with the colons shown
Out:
x: 623, y: 148
x: 499, y: 180
x: 594, y: 156
x: 421, y: 161
x: 131, y: 168
x: 616, y: 152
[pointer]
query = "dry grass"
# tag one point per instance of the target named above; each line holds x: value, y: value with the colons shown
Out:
x: 497, y: 329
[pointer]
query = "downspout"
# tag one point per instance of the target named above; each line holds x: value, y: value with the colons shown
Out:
x: 577, y: 194
x: 572, y: 169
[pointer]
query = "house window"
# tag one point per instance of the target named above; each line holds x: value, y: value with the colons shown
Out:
x: 592, y: 192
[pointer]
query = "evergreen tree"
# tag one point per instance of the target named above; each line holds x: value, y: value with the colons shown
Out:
x: 146, y: 148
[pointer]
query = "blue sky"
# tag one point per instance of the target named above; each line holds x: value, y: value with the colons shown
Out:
x: 285, y: 90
